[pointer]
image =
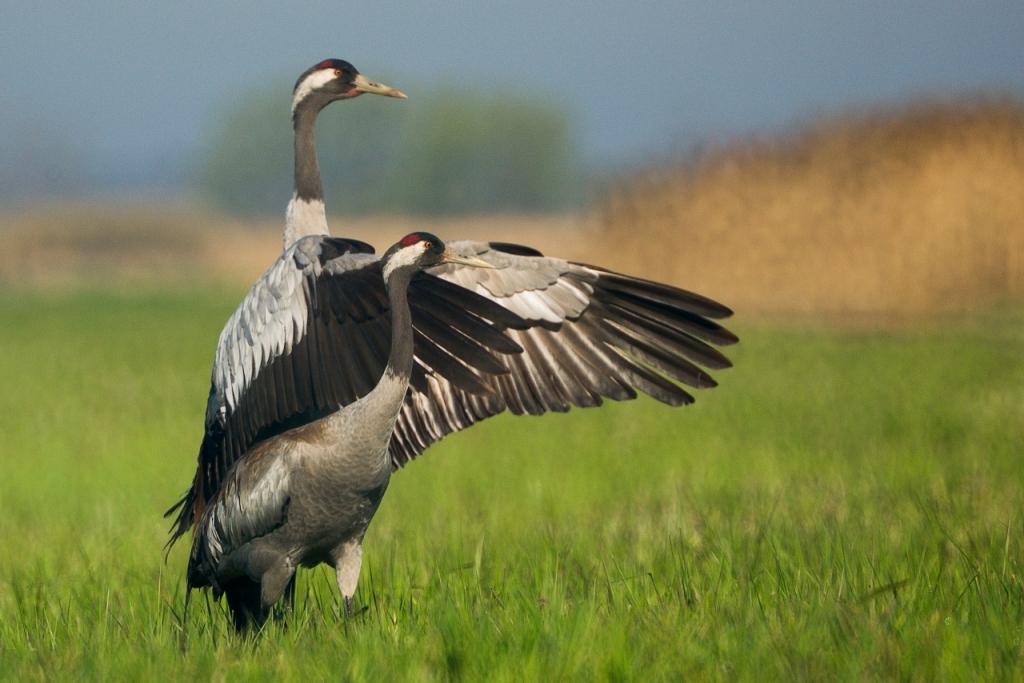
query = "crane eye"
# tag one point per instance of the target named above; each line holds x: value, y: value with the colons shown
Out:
x: 337, y: 73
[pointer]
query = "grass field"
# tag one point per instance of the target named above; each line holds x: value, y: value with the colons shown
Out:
x: 847, y: 504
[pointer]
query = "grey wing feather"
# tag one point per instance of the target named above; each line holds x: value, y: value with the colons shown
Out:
x: 251, y: 503
x: 591, y: 334
x: 271, y: 318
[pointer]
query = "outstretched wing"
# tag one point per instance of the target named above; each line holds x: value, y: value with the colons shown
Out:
x: 592, y: 334
x: 313, y: 335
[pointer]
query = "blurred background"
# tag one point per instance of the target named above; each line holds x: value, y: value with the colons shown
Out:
x: 839, y: 159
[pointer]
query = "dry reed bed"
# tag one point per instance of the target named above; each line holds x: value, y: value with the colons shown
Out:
x: 911, y: 210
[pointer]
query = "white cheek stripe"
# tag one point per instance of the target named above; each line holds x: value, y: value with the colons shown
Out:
x: 406, y: 256
x: 317, y: 79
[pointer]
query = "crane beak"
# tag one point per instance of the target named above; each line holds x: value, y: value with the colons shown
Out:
x: 449, y: 257
x: 363, y: 84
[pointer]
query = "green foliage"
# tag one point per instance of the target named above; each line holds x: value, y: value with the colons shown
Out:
x: 443, y: 152
x: 844, y: 506
x: 468, y: 152
x: 248, y: 168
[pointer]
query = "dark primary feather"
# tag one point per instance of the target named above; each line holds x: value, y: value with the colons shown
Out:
x: 517, y: 249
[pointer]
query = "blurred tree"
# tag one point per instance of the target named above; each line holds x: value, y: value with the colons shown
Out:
x: 478, y: 152
x: 445, y: 152
x: 248, y: 165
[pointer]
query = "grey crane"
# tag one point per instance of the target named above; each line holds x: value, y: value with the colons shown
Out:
x: 339, y: 367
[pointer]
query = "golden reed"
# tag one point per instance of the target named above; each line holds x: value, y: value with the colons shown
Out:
x: 910, y: 210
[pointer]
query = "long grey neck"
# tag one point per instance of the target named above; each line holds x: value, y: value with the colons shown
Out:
x: 400, y: 356
x: 305, y: 214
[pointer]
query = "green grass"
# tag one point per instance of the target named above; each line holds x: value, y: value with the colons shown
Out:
x: 845, y: 505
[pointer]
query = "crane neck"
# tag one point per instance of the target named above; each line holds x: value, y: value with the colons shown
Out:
x: 306, y: 214
x: 400, y: 356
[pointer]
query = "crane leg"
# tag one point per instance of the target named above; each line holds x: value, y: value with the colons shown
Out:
x: 348, y: 560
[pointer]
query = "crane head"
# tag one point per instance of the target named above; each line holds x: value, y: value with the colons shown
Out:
x: 335, y: 79
x: 419, y: 250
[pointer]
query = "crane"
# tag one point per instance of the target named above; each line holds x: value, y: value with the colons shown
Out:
x: 340, y: 367
x: 328, y: 81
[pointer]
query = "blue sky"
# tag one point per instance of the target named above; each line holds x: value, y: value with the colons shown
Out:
x: 130, y: 88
